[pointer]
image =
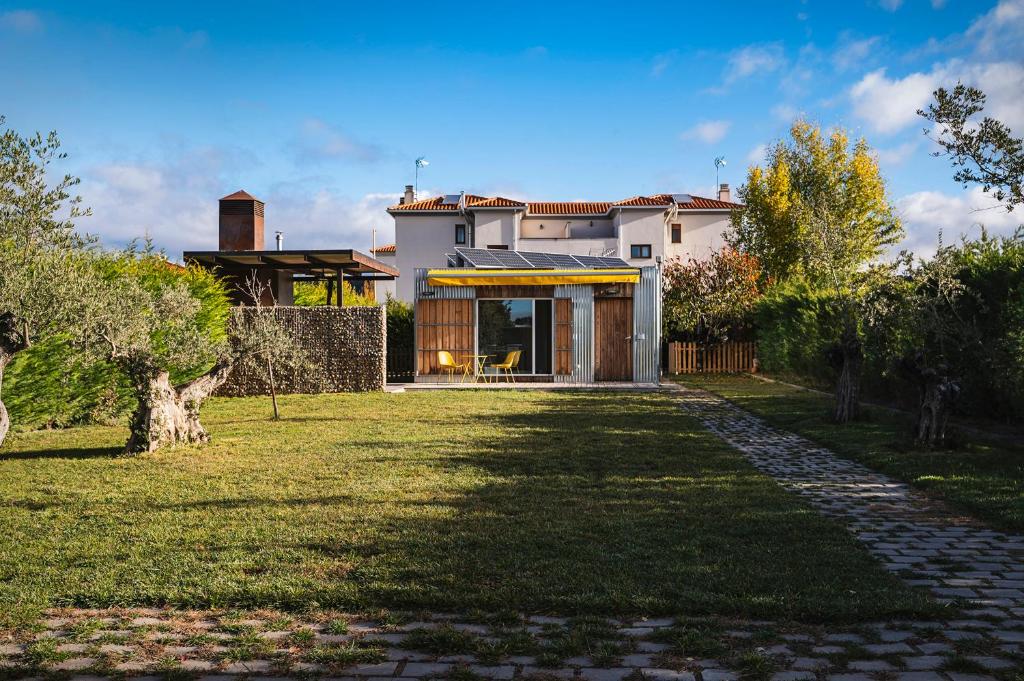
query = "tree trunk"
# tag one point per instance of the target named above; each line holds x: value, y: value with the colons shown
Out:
x: 11, y: 341
x: 851, y: 356
x: 273, y: 390
x: 936, y: 394
x: 169, y: 415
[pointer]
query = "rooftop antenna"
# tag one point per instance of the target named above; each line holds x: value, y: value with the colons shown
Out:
x: 421, y: 162
x: 719, y: 163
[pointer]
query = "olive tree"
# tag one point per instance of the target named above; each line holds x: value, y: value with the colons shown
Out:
x: 156, y: 328
x: 44, y: 263
x: 262, y: 345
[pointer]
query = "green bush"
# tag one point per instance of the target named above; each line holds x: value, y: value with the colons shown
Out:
x: 796, y: 325
x: 400, y: 323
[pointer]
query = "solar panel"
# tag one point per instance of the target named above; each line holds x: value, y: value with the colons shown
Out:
x: 487, y: 258
x: 451, y: 199
x: 590, y: 261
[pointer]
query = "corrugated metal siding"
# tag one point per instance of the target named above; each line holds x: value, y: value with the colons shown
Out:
x: 425, y: 290
x: 647, y: 326
x: 582, y: 297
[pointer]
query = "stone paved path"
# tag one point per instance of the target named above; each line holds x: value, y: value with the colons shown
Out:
x: 955, y: 558
x: 151, y: 644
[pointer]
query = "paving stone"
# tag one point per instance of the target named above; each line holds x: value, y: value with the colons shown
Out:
x: 923, y: 662
x: 656, y: 674
x: 379, y: 669
x: 828, y: 650
x: 506, y: 671
x: 718, y: 675
x: 196, y: 665
x: 248, y: 667
x: 610, y: 674
x: 992, y: 662
x: 887, y: 648
x: 539, y: 671
x: 74, y: 664
x: 636, y: 631
x: 425, y: 669
x: 919, y: 676
x: 651, y: 647
x: 870, y: 666
x: 956, y: 676
x: 933, y: 648
x: 809, y: 663
x: 636, y: 660
x: 793, y: 676
x: 844, y: 638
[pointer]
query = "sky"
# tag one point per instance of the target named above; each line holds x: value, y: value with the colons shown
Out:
x: 320, y: 109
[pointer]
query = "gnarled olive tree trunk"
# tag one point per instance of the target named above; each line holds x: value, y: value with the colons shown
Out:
x: 937, y: 392
x: 850, y: 356
x: 169, y: 415
x: 12, y: 341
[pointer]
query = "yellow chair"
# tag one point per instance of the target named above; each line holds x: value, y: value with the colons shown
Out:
x: 445, y: 362
x: 510, y: 363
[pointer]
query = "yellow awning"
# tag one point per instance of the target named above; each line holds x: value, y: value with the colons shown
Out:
x: 464, y: 277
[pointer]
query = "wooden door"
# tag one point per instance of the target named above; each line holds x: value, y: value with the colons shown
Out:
x: 613, y: 343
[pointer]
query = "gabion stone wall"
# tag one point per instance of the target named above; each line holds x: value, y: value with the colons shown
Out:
x: 346, y: 345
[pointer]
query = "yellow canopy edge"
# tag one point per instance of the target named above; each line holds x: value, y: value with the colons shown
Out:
x: 460, y: 277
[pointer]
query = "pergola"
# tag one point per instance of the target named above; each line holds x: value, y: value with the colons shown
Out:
x: 332, y: 266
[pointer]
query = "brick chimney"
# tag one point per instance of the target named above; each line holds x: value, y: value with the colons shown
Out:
x: 241, y: 222
x: 410, y: 195
x: 723, y: 192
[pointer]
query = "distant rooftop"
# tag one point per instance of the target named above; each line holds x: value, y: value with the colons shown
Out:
x: 471, y: 201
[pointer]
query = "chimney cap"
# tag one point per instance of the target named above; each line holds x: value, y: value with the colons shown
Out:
x: 240, y: 195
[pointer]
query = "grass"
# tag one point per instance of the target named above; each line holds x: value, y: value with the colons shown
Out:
x: 984, y: 478
x: 558, y: 503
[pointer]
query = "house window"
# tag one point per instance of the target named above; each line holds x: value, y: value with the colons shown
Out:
x: 640, y: 251
x: 498, y: 247
x: 677, y: 233
x: 460, y: 234
x: 518, y: 324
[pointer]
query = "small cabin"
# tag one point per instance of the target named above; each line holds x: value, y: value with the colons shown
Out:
x: 563, y: 318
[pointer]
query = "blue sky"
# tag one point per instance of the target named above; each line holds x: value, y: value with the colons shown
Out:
x: 320, y: 109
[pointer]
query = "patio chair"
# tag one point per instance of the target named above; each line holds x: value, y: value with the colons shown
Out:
x: 447, y: 363
x: 510, y: 363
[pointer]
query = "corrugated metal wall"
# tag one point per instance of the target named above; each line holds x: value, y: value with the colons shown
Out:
x: 582, y: 297
x: 647, y: 326
x: 425, y: 290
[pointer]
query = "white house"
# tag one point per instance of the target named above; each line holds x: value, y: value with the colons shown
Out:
x: 642, y: 230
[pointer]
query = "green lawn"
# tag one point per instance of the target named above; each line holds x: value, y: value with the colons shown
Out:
x: 540, y: 502
x: 984, y: 477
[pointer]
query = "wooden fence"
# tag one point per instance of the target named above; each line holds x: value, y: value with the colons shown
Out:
x: 693, y: 358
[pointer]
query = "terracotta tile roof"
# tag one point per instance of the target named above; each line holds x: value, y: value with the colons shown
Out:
x: 659, y: 200
x: 240, y: 195
x: 702, y: 203
x: 389, y: 248
x: 569, y: 207
x: 494, y: 202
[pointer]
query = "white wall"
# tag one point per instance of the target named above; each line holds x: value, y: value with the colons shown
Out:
x: 569, y: 246
x: 421, y: 241
x: 702, y: 234
x: 554, y: 228
x: 389, y: 286
x: 641, y: 227
x: 494, y: 228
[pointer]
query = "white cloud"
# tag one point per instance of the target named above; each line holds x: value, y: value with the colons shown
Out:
x: 319, y: 140
x: 999, y: 30
x: 890, y: 5
x: 707, y: 132
x: 888, y: 105
x: 938, y: 4
x: 851, y: 53
x: 785, y: 112
x: 926, y: 214
x: 174, y: 201
x: 21, y: 20
x: 752, y: 60
x: 757, y: 154
x: 661, y: 62
x: 536, y: 52
x: 898, y: 154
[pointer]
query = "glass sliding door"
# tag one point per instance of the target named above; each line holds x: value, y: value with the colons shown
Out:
x: 522, y: 324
